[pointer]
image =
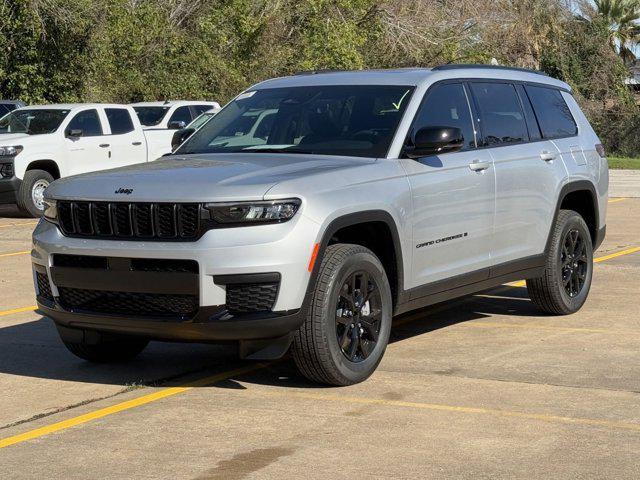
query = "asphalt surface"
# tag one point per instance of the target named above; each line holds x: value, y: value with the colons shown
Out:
x: 483, y: 387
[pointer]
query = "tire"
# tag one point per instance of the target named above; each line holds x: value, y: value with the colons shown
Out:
x: 565, y: 285
x: 338, y: 309
x: 116, y: 349
x: 30, y: 189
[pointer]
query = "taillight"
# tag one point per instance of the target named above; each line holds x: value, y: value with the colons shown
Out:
x: 600, y: 150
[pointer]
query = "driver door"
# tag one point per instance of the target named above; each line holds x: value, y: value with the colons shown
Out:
x: 453, y: 196
x: 88, y: 151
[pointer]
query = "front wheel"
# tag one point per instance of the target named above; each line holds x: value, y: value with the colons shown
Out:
x: 31, y: 193
x: 564, y: 287
x: 347, y: 327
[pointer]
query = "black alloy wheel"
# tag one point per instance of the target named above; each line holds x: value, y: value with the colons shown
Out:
x: 358, y: 316
x: 574, y: 262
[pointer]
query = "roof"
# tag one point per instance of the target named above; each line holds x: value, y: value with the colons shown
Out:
x: 73, y: 106
x: 411, y: 76
x: 171, y: 103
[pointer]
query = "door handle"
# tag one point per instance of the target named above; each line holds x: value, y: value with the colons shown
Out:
x: 136, y: 143
x: 548, y: 156
x: 104, y: 145
x: 478, y: 166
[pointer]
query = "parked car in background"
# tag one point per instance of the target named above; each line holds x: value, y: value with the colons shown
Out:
x: 40, y: 144
x: 7, y: 106
x: 162, y: 119
x: 181, y: 135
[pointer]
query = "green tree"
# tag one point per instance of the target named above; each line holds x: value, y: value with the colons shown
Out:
x: 623, y: 19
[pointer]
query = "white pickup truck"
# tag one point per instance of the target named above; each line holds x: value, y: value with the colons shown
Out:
x: 160, y: 120
x: 39, y: 144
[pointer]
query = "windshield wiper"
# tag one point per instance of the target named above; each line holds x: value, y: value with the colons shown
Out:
x: 275, y: 150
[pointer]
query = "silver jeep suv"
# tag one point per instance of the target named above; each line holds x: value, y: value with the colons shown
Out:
x: 359, y: 196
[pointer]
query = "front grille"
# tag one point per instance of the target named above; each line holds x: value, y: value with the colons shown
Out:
x: 44, y: 287
x: 251, y: 298
x: 127, y: 303
x: 161, y: 221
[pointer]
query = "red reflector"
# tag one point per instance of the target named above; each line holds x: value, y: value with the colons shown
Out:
x: 600, y: 150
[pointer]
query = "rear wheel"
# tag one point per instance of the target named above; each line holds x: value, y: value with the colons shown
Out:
x: 565, y: 285
x: 110, y: 349
x: 347, y: 327
x: 31, y: 193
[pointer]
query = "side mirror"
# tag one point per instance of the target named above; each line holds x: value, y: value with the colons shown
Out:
x: 433, y: 141
x: 180, y: 136
x: 74, y: 133
x: 176, y: 125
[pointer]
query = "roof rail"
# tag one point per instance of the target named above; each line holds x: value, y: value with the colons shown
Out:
x: 315, y: 72
x: 459, y: 66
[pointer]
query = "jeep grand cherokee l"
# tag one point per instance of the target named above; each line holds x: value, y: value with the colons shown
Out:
x: 371, y: 193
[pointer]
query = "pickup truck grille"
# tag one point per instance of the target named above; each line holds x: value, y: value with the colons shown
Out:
x: 149, y: 221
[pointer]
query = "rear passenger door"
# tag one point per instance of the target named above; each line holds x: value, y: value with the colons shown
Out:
x: 452, y: 197
x: 528, y: 173
x: 127, y: 145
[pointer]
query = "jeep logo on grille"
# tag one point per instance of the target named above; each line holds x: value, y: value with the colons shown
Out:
x: 124, y: 191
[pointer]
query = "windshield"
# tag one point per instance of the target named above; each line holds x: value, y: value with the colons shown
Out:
x: 201, y: 120
x: 350, y: 120
x: 151, y: 116
x: 32, y: 122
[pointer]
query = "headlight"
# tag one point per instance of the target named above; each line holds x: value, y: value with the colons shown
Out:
x: 50, y: 210
x: 243, y: 213
x: 11, y: 151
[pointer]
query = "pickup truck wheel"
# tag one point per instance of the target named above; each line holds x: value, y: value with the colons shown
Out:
x: 348, y: 323
x: 116, y: 349
x: 564, y: 287
x: 31, y: 194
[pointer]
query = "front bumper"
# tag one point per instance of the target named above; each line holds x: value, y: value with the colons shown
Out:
x: 224, y: 257
x: 9, y: 188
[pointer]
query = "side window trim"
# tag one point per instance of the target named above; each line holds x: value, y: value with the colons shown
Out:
x: 528, y: 114
x: 454, y: 81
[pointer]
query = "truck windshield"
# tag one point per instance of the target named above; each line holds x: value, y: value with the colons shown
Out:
x: 151, y: 116
x: 350, y: 120
x: 32, y: 122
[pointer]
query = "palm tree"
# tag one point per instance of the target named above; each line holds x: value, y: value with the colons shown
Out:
x: 623, y: 17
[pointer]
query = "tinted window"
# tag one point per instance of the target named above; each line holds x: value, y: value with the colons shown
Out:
x: 119, y: 120
x: 532, y: 123
x: 358, y: 120
x: 4, y: 109
x: 202, y: 108
x: 502, y: 119
x: 446, y: 106
x: 87, y: 121
x: 150, y: 116
x: 553, y: 114
x: 182, y: 114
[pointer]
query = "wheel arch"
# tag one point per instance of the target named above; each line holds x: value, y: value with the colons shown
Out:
x: 47, y: 165
x: 359, y: 228
x: 580, y: 196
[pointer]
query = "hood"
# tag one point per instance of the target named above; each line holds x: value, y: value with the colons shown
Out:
x: 198, y: 178
x: 11, y: 138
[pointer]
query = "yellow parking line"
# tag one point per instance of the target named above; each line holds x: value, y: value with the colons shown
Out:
x: 551, y: 327
x: 13, y: 254
x: 628, y: 251
x: 616, y: 200
x: 129, y: 404
x: 17, y: 310
x: 459, y: 409
x: 18, y: 224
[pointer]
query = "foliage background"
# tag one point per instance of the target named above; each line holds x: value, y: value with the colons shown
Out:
x: 131, y: 50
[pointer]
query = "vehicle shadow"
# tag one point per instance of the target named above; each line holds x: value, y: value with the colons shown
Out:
x: 11, y: 211
x: 33, y: 349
